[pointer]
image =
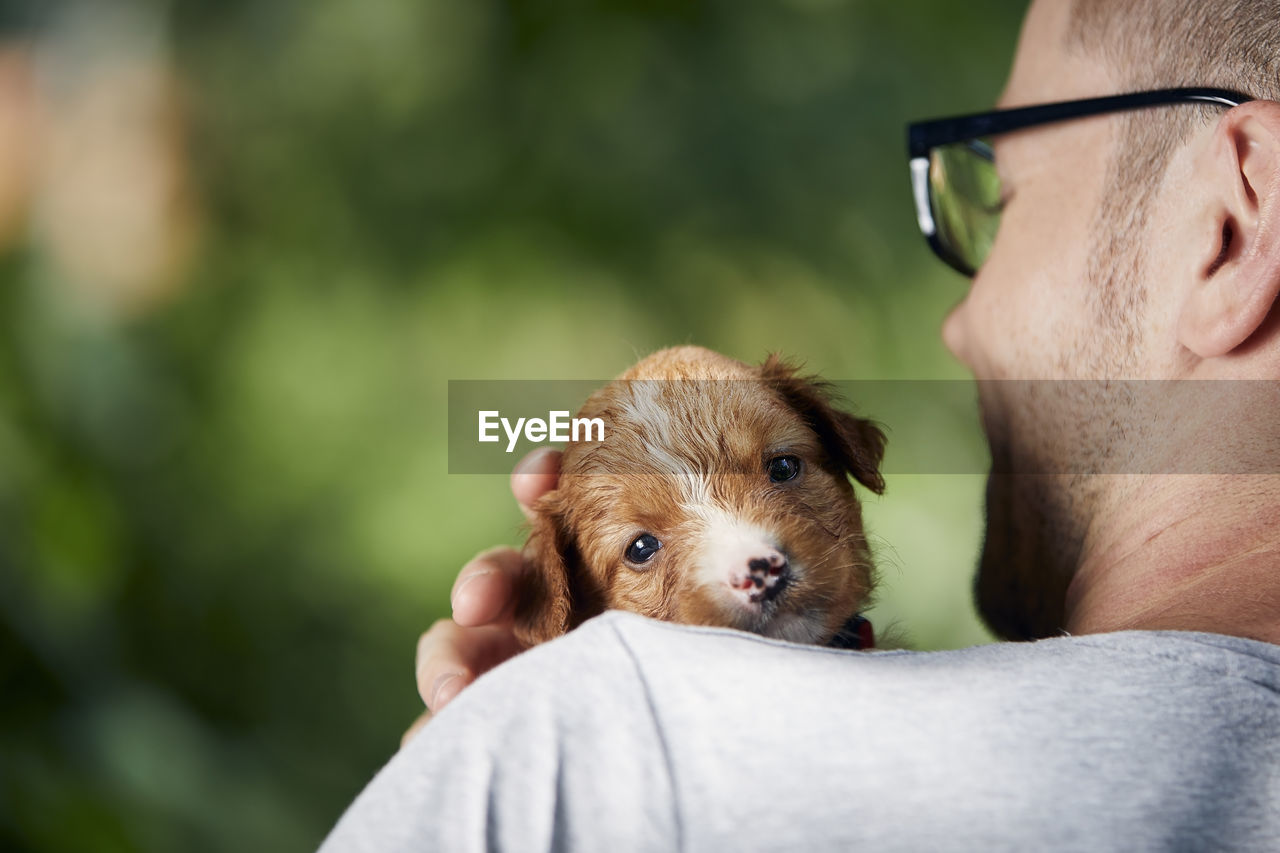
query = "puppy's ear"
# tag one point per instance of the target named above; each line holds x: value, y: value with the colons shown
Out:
x: 854, y: 443
x: 544, y: 603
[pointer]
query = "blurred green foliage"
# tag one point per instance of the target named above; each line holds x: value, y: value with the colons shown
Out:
x: 223, y: 523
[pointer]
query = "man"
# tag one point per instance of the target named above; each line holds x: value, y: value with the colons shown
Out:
x: 1132, y: 244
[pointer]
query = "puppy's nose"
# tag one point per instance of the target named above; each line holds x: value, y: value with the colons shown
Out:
x: 763, y: 577
x: 770, y: 565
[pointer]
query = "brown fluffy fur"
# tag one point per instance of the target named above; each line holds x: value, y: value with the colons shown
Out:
x: 687, y: 461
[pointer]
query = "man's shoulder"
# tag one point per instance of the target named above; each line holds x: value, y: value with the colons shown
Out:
x: 1181, y: 654
x: 665, y: 671
x: 1111, y: 732
x: 624, y: 645
x: 638, y: 734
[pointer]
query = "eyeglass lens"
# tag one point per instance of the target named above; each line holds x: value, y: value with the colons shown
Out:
x: 965, y: 197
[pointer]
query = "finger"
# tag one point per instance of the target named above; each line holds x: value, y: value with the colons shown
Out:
x: 423, y: 719
x: 484, y: 591
x: 534, y: 476
x: 450, y: 657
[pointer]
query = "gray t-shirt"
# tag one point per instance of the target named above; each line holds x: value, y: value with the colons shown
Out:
x: 631, y: 734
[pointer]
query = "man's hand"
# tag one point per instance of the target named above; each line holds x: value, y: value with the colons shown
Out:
x: 454, y: 652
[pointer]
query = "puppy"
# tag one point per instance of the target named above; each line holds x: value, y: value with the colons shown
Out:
x: 720, y: 495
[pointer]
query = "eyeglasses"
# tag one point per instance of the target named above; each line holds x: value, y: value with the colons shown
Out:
x: 953, y: 173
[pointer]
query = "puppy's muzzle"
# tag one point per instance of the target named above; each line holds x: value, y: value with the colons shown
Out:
x: 763, y: 578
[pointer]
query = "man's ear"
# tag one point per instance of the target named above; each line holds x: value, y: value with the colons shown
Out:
x: 855, y: 444
x: 544, y: 603
x: 1237, y: 278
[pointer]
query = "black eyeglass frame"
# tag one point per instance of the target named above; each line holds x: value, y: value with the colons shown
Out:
x: 924, y: 136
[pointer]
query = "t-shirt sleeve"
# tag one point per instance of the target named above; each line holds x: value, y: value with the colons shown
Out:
x: 556, y: 749
x: 631, y: 734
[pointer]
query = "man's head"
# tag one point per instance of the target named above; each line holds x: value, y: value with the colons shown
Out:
x: 1151, y: 44
x: 1133, y: 245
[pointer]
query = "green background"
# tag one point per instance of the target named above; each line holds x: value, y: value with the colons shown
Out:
x: 224, y: 520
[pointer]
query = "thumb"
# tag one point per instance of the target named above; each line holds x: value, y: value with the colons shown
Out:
x: 534, y: 476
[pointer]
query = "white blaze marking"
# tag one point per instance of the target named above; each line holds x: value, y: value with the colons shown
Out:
x: 728, y: 542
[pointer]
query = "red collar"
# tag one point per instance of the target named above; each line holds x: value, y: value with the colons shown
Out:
x: 857, y: 633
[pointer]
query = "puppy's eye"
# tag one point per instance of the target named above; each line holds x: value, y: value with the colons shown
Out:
x: 783, y: 468
x: 642, y: 550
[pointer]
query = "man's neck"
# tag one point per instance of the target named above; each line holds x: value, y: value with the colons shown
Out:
x: 1183, y: 552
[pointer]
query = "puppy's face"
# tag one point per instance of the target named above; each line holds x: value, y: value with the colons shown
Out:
x: 720, y: 496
